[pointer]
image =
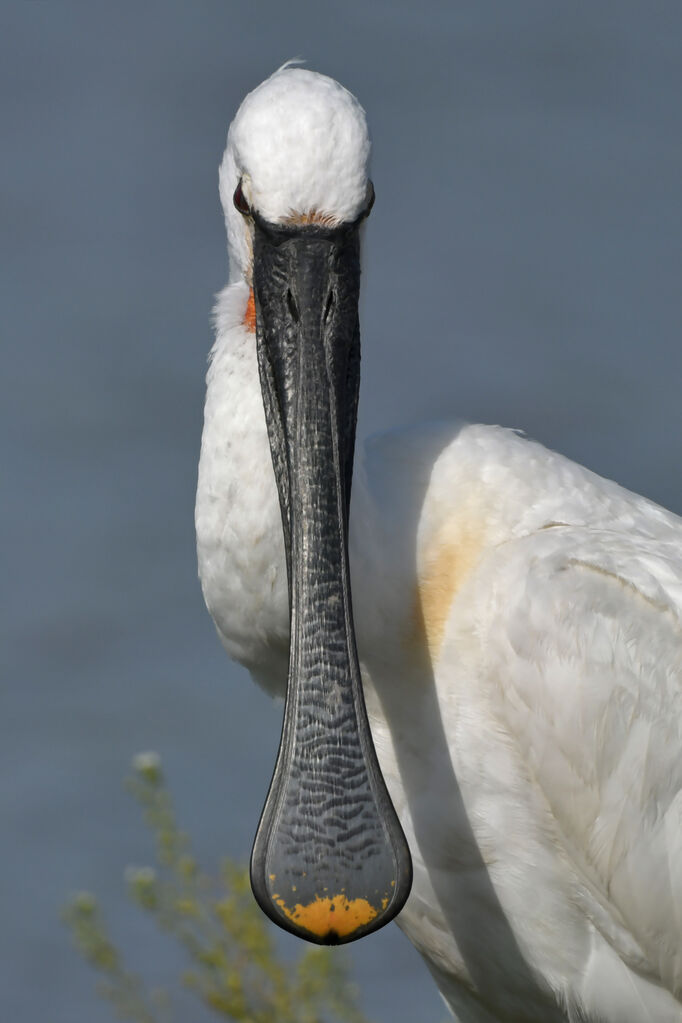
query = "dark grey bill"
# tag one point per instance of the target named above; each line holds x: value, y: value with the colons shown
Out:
x: 330, y: 862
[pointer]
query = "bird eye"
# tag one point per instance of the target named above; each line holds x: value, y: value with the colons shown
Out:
x: 370, y: 198
x: 240, y: 202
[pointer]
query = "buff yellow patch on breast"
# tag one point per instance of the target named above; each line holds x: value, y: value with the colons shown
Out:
x: 337, y: 914
x: 448, y: 561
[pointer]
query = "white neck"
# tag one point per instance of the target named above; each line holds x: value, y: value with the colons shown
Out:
x: 239, y: 533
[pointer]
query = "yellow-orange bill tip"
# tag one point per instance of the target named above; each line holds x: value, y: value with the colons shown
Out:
x: 330, y: 919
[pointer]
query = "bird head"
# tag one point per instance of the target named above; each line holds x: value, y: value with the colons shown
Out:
x: 297, y: 153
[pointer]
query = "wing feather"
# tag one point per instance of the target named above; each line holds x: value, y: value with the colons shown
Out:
x: 585, y: 644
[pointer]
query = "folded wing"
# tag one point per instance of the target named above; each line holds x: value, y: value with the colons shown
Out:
x: 586, y: 647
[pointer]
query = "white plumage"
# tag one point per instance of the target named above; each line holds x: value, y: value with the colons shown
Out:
x: 519, y: 625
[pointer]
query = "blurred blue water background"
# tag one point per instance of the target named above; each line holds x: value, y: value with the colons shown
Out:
x: 522, y: 266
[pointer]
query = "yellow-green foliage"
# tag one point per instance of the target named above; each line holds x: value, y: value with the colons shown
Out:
x: 232, y: 962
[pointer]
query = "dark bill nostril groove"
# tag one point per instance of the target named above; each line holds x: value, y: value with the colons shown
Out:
x: 329, y: 308
x: 292, y: 306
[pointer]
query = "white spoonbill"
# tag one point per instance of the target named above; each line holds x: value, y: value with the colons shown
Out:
x: 518, y: 624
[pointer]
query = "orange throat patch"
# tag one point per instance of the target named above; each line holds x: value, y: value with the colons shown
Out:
x: 249, y: 320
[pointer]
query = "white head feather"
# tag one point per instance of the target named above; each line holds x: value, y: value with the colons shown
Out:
x: 300, y: 146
